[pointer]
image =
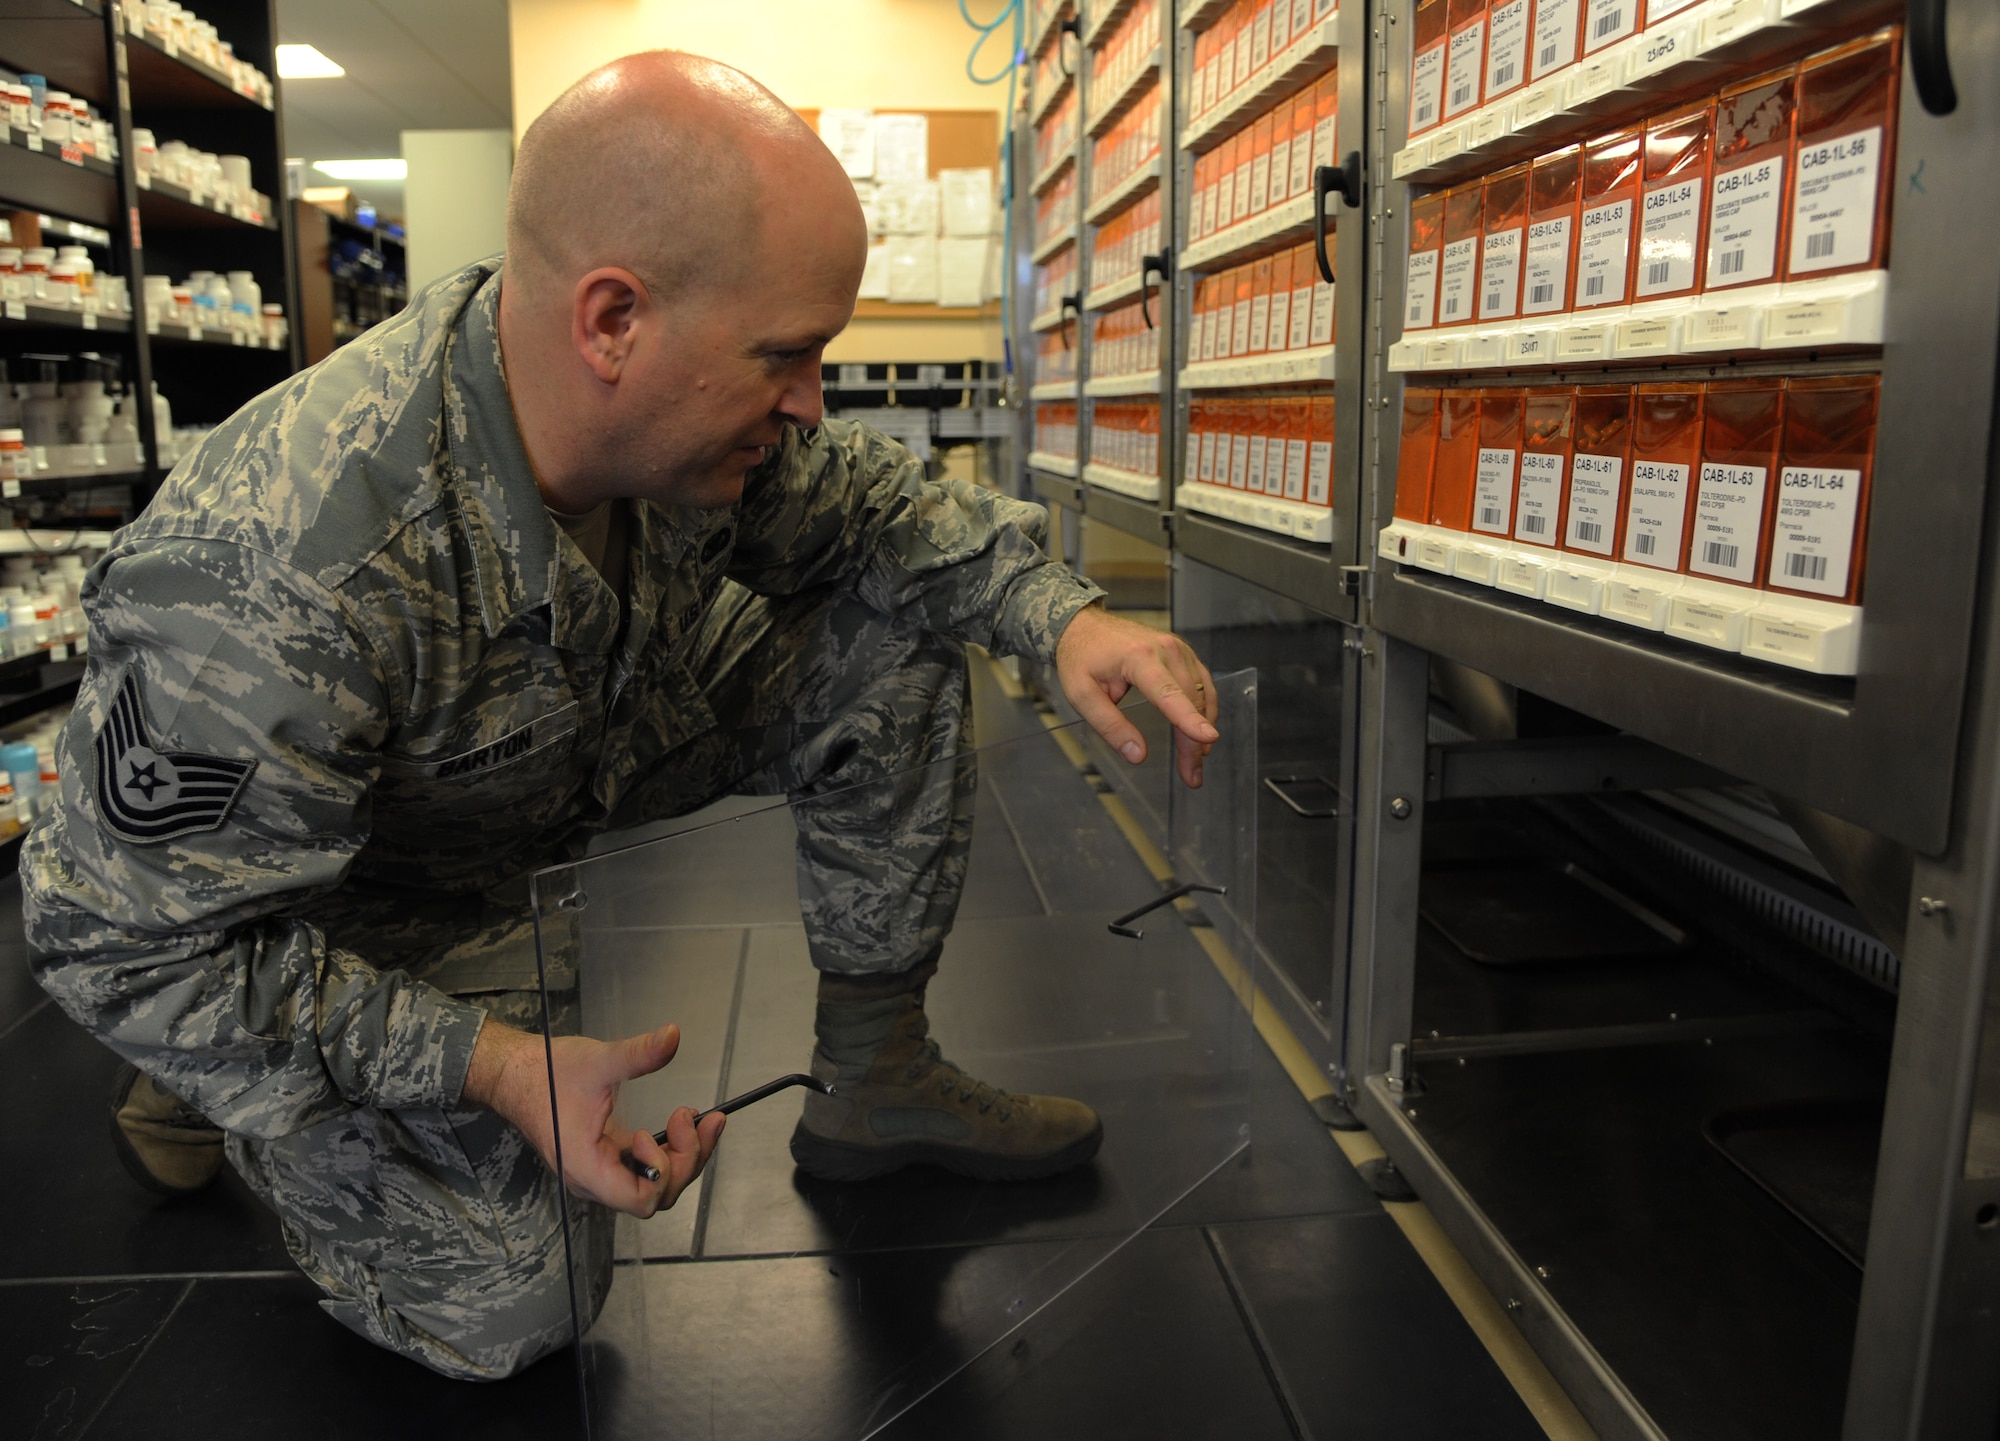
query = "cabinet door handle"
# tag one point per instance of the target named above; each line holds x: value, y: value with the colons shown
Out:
x: 1930, y: 59
x: 1123, y: 925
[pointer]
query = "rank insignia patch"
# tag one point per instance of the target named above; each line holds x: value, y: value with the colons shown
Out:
x: 147, y: 795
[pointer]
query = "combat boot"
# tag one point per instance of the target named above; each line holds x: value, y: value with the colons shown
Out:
x: 168, y: 1147
x: 898, y: 1102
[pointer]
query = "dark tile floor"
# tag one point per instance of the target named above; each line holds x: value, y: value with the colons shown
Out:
x: 1273, y: 1299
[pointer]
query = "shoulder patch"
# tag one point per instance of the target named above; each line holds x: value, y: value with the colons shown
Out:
x: 146, y: 795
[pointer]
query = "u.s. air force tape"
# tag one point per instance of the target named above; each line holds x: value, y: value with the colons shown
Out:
x: 146, y: 795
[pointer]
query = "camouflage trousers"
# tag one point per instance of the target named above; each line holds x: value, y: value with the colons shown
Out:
x: 437, y: 1233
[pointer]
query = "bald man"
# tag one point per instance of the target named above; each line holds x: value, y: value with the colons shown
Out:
x: 560, y: 548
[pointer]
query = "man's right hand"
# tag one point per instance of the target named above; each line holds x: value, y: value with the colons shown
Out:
x: 509, y: 1075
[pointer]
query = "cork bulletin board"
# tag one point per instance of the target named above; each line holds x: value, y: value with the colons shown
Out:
x: 958, y: 140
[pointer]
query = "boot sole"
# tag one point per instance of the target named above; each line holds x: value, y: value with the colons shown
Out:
x: 842, y: 1161
x: 128, y: 1157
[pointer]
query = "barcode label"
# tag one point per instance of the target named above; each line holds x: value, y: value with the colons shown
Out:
x: 1451, y: 305
x: 1606, y: 23
x: 1546, y: 55
x: 1541, y: 294
x: 1593, y: 285
x: 1490, y: 515
x: 1590, y: 532
x: 1819, y: 246
x: 1493, y: 488
x: 1644, y: 542
x: 1426, y: 112
x: 1805, y: 567
x: 1730, y: 262
x: 1504, y: 76
x: 1812, y: 548
x: 1415, y: 319
x: 1834, y: 201
x: 1460, y: 94
x: 1717, y: 554
x: 1493, y: 299
x: 1535, y: 524
x: 1658, y: 271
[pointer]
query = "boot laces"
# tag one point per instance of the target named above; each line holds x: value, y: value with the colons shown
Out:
x: 952, y: 1078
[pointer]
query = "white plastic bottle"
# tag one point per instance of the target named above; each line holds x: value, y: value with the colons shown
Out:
x: 246, y: 301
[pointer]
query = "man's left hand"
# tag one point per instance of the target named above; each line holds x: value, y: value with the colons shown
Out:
x: 1102, y: 656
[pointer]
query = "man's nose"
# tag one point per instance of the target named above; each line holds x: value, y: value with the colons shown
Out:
x: 802, y: 402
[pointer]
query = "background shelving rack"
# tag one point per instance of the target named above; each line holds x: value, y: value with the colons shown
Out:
x: 92, y: 50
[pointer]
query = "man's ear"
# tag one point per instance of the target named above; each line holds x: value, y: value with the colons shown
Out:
x: 607, y: 307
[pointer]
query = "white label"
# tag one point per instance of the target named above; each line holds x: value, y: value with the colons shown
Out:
x: 1239, y: 462
x: 1601, y: 253
x: 1658, y: 10
x: 1260, y: 40
x: 1207, y: 472
x: 89, y: 320
x: 35, y: 140
x: 1420, y: 291
x: 1538, y: 512
x: 1191, y: 462
x: 1729, y: 522
x: 1812, y: 539
x: 1658, y: 515
x: 1281, y: 320
x: 1468, y: 53
x: 1302, y: 162
x: 1322, y: 315
x: 1426, y: 88
x: 1260, y: 324
x: 1239, y: 330
x: 1455, y: 299
x: 1662, y: 49
x: 1260, y: 184
x: 9, y: 489
x: 1547, y: 275
x: 1555, y: 36
x: 1295, y: 470
x: 1493, y: 490
x: 1323, y: 142
x: 1281, y: 168
x: 1500, y: 275
x: 1319, y: 473
x: 1595, y: 485
x: 1608, y: 21
x: 1743, y: 223
x: 1256, y: 476
x: 1209, y: 207
x: 1301, y: 335
x: 1833, y: 213
x: 1667, y: 237
x: 1507, y: 49
x: 16, y: 310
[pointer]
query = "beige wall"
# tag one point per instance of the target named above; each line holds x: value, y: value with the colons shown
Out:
x: 455, y: 198
x: 813, y: 54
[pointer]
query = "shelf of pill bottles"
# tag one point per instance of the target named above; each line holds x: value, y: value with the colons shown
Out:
x: 1200, y: 14
x: 1839, y: 311
x: 70, y: 53
x: 1105, y: 297
x: 1105, y: 14
x: 1053, y: 390
x: 1284, y: 225
x: 1063, y: 465
x: 1729, y: 513
x: 1297, y: 367
x: 1053, y: 246
x: 1136, y: 186
x: 165, y: 204
x: 1302, y: 58
x: 1145, y: 74
x: 203, y: 335
x: 1646, y: 70
x: 1144, y: 383
x: 163, y: 75
x: 1048, y: 174
x: 1044, y: 22
x: 1125, y: 482
x: 28, y: 314
x: 32, y: 178
x: 1310, y: 523
x: 107, y: 461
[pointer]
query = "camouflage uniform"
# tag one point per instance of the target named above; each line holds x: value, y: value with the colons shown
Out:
x: 349, y: 684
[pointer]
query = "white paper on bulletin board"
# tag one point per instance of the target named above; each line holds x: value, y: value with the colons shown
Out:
x: 850, y: 135
x: 968, y: 201
x: 913, y: 268
x: 962, y: 270
x: 875, y: 275
x: 902, y: 147
x: 907, y: 207
x: 865, y: 192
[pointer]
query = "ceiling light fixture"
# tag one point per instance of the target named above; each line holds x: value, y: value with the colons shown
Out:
x: 305, y: 62
x: 363, y: 169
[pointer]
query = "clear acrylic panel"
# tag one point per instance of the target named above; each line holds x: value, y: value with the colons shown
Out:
x: 768, y: 1301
